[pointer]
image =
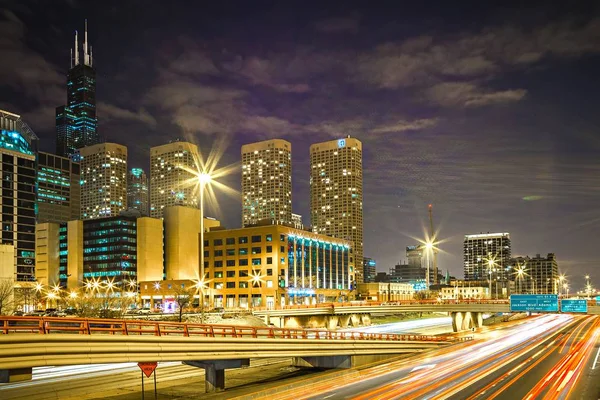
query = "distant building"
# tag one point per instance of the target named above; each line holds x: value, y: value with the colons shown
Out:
x: 540, y: 276
x: 382, y: 277
x: 59, y: 188
x: 336, y: 193
x: 137, y: 190
x: 486, y: 255
x: 173, y: 176
x: 103, y: 180
x: 414, y: 255
x: 18, y: 146
x: 386, y: 292
x: 119, y: 249
x: 297, y: 221
x: 407, y: 273
x: 370, y: 269
x: 464, y: 292
x: 267, y: 182
x: 76, y: 122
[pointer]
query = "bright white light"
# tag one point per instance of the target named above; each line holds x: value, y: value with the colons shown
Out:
x: 204, y: 178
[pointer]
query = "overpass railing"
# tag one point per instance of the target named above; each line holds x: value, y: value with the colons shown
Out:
x: 89, y: 326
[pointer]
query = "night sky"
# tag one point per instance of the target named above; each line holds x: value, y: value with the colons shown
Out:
x: 491, y: 114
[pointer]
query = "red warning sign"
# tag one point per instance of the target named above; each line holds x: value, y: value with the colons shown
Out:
x: 147, y: 367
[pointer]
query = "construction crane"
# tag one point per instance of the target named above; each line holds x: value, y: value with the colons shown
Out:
x: 433, y: 249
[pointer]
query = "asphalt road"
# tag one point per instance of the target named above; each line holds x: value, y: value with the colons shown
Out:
x: 544, y: 357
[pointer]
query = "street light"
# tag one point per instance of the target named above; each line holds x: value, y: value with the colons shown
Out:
x: 200, y: 285
x: 520, y: 273
x: 204, y: 179
x: 491, y: 262
x: 255, y: 279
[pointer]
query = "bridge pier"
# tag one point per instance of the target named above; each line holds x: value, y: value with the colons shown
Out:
x: 214, y: 372
x: 15, y: 375
x: 466, y: 320
x: 341, y: 362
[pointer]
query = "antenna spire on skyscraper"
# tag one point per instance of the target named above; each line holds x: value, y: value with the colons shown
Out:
x: 76, y: 50
x: 86, y: 57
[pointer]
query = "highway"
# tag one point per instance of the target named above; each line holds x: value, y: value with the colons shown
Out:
x: 545, y: 357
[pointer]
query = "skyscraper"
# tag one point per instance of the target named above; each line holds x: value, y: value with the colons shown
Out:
x: 59, y: 190
x: 18, y: 145
x: 336, y: 193
x: 76, y: 122
x: 137, y: 190
x: 171, y: 180
x: 267, y: 182
x: 103, y: 180
x: 487, y: 254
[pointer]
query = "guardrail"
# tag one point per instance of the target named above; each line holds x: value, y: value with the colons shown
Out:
x: 89, y: 326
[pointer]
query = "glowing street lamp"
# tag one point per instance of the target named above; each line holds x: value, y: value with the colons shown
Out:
x: 204, y: 179
x: 520, y: 272
x: 255, y: 279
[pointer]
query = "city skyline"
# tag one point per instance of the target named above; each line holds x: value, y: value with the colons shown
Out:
x: 499, y: 138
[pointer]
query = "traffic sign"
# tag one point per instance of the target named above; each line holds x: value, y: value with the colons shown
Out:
x: 598, y: 300
x: 147, y: 367
x: 573, y: 306
x: 534, y: 302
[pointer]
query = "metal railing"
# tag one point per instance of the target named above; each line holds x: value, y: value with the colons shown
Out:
x: 89, y: 326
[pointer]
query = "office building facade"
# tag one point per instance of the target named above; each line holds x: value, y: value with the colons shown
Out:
x: 103, y: 180
x: 266, y: 265
x: 173, y: 176
x: 540, y: 274
x: 267, y: 182
x: 137, y: 191
x: 18, y: 146
x: 336, y: 193
x: 487, y: 255
x: 76, y: 122
x: 118, y: 249
x: 59, y: 188
x: 369, y: 270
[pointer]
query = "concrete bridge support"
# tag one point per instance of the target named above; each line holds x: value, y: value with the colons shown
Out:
x: 466, y: 320
x: 214, y: 372
x: 342, y: 362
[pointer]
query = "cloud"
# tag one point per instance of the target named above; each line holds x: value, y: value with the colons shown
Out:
x: 338, y: 25
x: 110, y: 112
x: 404, y: 125
x: 453, y: 94
x: 270, y: 126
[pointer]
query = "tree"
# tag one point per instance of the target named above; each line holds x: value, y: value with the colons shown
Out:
x: 6, y: 296
x: 183, y: 298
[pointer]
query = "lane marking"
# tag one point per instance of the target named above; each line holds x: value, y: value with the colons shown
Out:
x: 596, y: 360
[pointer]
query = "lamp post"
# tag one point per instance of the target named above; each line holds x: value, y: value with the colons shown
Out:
x: 490, y: 266
x: 560, y: 279
x: 520, y: 273
x: 255, y: 278
x: 566, y: 287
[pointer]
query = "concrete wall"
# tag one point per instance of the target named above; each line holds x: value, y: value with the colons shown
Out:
x: 182, y: 257
x: 47, y: 262
x: 150, y: 255
x: 75, y: 254
x: 7, y: 261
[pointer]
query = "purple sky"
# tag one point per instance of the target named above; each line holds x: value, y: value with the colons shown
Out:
x: 488, y: 113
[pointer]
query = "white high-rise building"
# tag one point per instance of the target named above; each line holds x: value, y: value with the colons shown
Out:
x: 487, y: 255
x: 171, y: 180
x: 103, y: 180
x: 336, y: 193
x: 267, y: 182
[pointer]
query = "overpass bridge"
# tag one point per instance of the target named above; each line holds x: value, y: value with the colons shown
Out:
x: 465, y: 315
x: 27, y: 342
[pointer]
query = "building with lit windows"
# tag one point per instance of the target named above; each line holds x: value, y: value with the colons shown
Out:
x: 297, y: 221
x: 76, y: 122
x: 369, y: 269
x: 336, y: 192
x: 540, y: 274
x: 137, y: 190
x: 103, y: 180
x: 172, y: 181
x: 18, y: 146
x: 59, y: 190
x: 487, y: 254
x: 121, y: 248
x: 269, y: 265
x: 267, y: 182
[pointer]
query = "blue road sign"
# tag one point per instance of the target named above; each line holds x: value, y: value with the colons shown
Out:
x: 598, y: 300
x: 534, y: 302
x: 573, y: 306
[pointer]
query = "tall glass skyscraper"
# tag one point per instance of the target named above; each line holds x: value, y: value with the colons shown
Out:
x: 137, y: 190
x: 18, y: 145
x: 76, y: 122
